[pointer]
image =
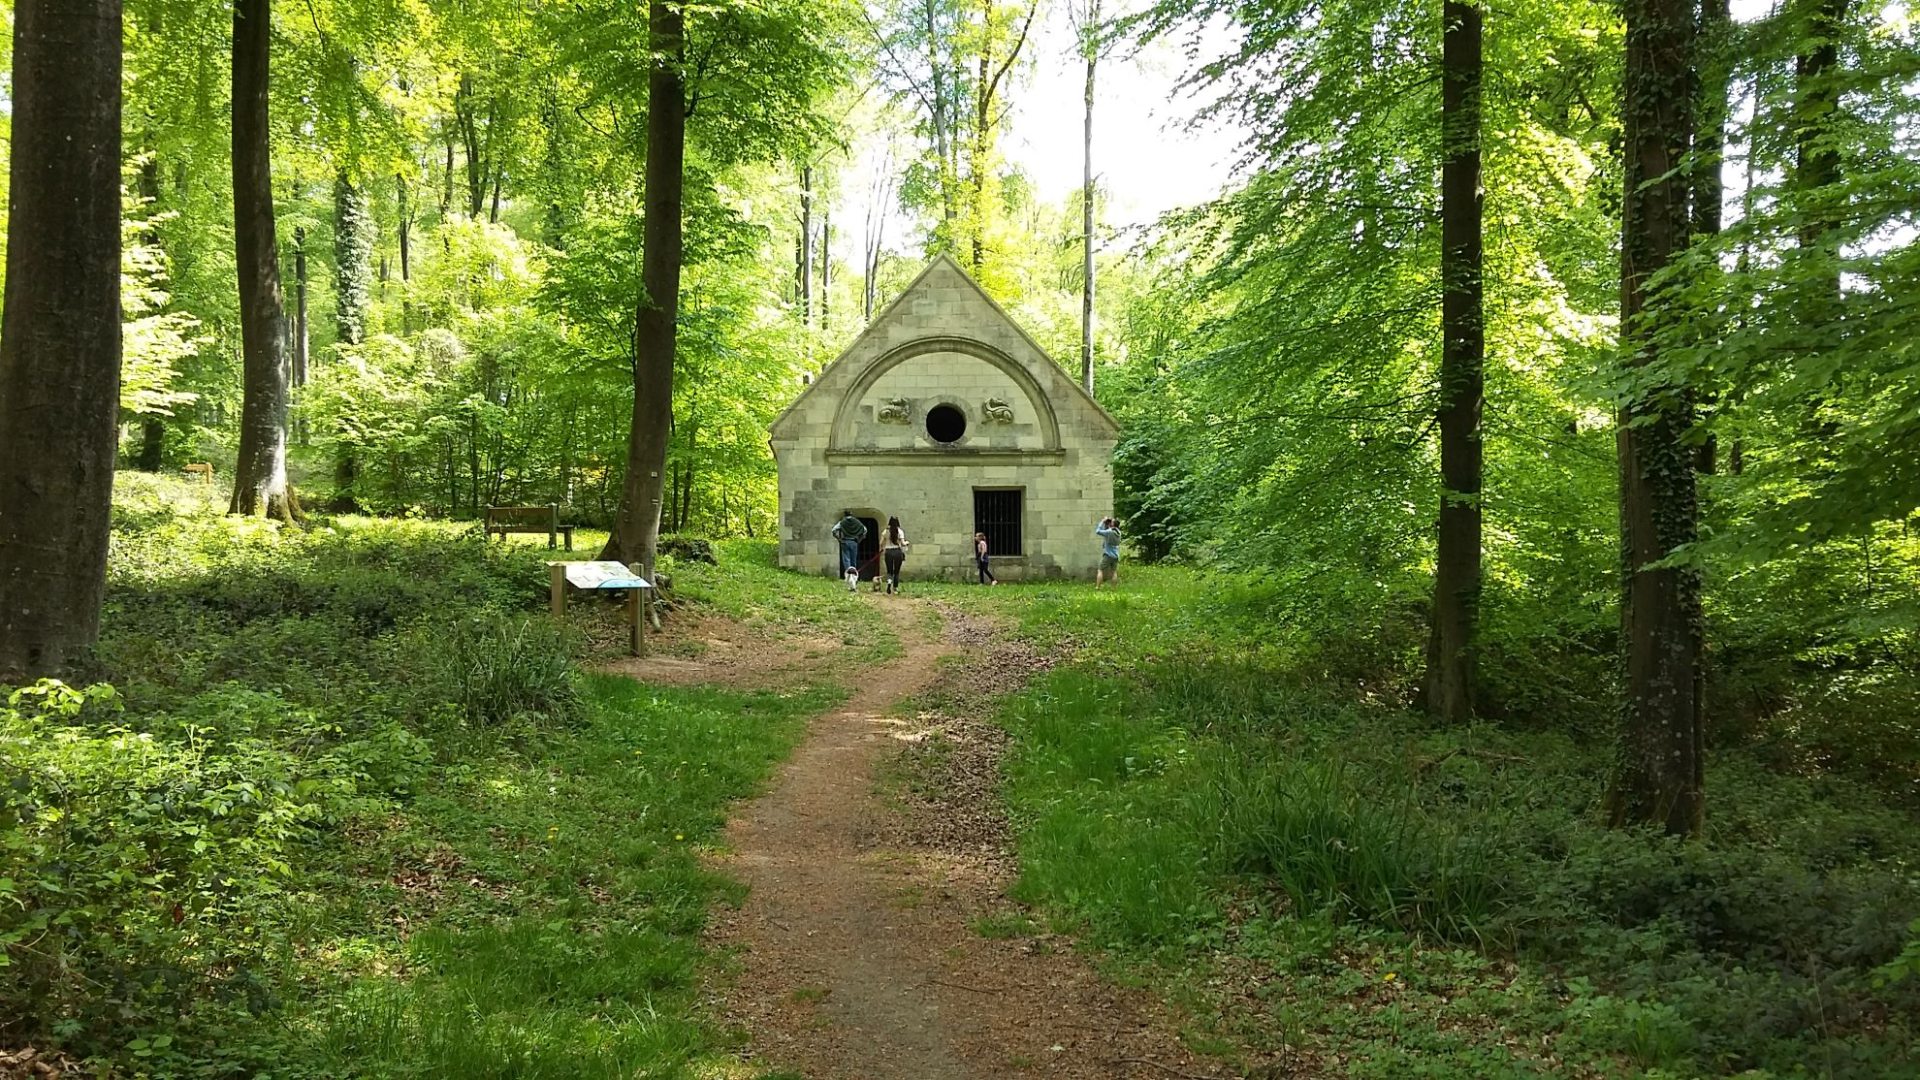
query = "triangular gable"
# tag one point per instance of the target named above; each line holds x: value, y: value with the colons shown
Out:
x: 878, y: 326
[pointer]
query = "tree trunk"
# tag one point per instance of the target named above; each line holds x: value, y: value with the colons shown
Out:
x: 473, y: 462
x: 477, y: 153
x: 1659, y: 777
x: 153, y: 429
x: 153, y: 444
x: 826, y: 270
x: 446, y: 190
x: 1714, y: 73
x: 566, y: 453
x: 636, y: 531
x: 60, y: 333
x: 260, y: 474
x: 353, y: 259
x: 299, y: 328
x: 982, y: 143
x: 685, y: 509
x: 1092, y: 48
x: 405, y: 228
x: 301, y: 340
x: 803, y: 270
x: 1817, y: 148
x: 943, y: 139
x: 869, y: 265
x: 1449, y: 683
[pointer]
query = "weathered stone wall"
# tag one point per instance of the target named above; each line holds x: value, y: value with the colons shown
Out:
x: 858, y: 439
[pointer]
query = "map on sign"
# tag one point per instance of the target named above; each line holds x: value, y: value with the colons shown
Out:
x: 604, y: 575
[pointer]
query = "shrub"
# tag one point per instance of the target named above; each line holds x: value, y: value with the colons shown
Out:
x: 496, y: 670
x: 130, y: 864
x: 689, y: 549
x: 1331, y: 841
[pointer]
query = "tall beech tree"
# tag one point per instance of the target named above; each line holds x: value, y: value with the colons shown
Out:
x: 260, y: 473
x: 1816, y: 168
x: 636, y: 531
x: 353, y: 243
x: 1448, y: 686
x: 1659, y: 777
x: 1713, y: 81
x: 1090, y: 45
x: 762, y: 71
x: 997, y: 39
x: 60, y: 332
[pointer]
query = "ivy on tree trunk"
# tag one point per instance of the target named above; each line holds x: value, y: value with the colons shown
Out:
x: 353, y: 258
x: 1659, y: 778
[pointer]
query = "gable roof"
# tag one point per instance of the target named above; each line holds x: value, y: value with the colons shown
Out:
x: 877, y: 326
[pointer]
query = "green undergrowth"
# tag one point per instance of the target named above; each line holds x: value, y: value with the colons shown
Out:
x: 561, y: 897
x: 1247, y: 810
x: 336, y: 801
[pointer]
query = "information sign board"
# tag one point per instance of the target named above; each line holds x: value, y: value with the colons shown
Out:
x: 603, y: 575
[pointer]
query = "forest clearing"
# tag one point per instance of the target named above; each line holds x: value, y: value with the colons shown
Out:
x: 1174, y: 538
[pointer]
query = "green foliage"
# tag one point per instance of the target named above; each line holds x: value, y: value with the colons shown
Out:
x: 1207, y: 781
x: 1907, y: 964
x: 574, y: 951
x: 154, y: 340
x: 341, y: 798
x: 494, y: 670
x: 136, y: 850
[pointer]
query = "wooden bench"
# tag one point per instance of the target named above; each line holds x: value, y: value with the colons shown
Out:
x: 528, y: 519
x: 201, y: 471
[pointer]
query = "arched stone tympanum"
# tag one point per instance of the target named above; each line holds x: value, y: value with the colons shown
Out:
x: 1016, y: 447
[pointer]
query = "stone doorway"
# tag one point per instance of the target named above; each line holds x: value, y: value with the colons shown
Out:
x: 870, y: 550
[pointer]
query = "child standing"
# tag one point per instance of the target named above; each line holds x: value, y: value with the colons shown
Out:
x: 980, y: 560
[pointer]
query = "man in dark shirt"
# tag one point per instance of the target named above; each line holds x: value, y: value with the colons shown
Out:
x: 850, y: 530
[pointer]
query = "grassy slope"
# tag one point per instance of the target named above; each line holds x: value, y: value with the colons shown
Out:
x: 345, y: 813
x: 1325, y: 877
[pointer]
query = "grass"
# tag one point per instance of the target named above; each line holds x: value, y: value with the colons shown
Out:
x: 1238, y: 809
x: 341, y: 804
x: 571, y: 950
x: 349, y: 808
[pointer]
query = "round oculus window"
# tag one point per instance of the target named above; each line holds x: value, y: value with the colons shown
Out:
x: 945, y: 424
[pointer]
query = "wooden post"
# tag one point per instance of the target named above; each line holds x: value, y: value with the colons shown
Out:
x: 639, y: 645
x: 557, y: 578
x: 553, y: 523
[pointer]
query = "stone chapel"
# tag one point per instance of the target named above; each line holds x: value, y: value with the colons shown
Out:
x: 945, y: 413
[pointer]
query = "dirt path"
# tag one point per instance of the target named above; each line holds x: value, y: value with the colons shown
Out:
x: 859, y: 957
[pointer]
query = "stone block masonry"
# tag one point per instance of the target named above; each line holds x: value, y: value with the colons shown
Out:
x: 858, y: 438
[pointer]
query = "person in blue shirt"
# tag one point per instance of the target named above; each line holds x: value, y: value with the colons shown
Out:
x: 1109, y: 533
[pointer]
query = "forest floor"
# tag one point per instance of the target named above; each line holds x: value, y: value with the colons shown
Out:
x: 860, y: 951
x: 1185, y: 828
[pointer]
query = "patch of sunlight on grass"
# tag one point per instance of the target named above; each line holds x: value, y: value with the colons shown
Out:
x: 580, y: 955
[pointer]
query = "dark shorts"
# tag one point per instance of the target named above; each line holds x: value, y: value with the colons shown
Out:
x: 1109, y: 564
